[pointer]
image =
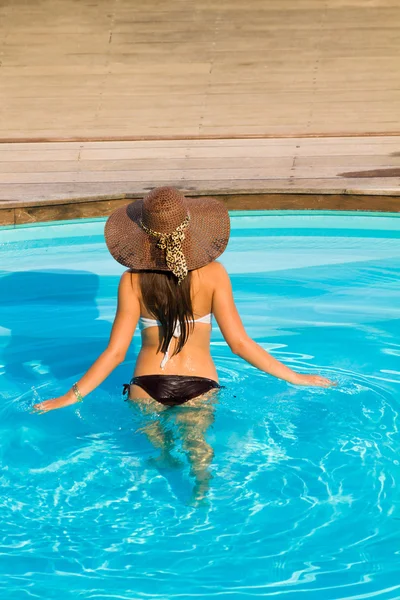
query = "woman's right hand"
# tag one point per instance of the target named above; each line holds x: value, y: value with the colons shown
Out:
x: 66, y: 400
x: 312, y: 381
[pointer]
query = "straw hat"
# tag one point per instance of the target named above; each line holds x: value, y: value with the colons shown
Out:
x: 168, y: 232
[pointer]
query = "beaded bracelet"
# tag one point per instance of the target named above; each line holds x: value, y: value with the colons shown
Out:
x: 77, y: 393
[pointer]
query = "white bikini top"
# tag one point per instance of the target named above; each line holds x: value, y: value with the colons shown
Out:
x: 145, y: 323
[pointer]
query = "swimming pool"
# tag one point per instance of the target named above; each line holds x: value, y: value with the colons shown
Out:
x: 303, y: 500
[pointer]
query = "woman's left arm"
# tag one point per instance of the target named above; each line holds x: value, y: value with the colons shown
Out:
x: 126, y: 319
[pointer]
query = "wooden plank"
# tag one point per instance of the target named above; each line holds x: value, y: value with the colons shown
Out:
x: 37, y: 154
x: 347, y: 161
x: 145, y: 164
x: 223, y: 174
x: 46, y: 132
x: 312, y: 129
x: 202, y: 152
x: 380, y: 144
x: 319, y: 165
x: 133, y: 176
x: 22, y: 195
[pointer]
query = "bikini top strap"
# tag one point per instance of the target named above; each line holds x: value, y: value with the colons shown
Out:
x: 204, y: 319
x: 145, y: 322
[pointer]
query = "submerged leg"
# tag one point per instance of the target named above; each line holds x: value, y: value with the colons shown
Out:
x: 158, y: 435
x: 162, y: 439
x: 193, y: 425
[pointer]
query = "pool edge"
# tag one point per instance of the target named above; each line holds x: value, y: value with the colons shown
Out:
x: 58, y: 210
x: 233, y: 214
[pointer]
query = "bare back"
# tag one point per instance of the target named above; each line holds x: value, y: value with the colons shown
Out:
x: 194, y: 358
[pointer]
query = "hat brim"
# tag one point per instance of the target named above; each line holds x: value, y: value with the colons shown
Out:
x: 206, y: 236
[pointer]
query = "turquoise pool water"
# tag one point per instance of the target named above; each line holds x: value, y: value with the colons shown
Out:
x: 304, y: 499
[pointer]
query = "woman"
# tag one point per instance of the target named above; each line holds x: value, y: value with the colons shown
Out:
x: 172, y: 289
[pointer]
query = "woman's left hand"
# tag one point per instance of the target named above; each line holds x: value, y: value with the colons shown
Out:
x: 43, y: 407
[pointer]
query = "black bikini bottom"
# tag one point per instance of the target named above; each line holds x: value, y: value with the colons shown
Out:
x: 172, y: 389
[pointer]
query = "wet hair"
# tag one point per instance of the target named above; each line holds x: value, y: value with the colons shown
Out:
x: 170, y: 303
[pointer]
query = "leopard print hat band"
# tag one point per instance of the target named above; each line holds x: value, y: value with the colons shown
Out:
x: 171, y: 243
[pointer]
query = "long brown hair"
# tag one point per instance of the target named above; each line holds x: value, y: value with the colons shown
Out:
x: 169, y: 303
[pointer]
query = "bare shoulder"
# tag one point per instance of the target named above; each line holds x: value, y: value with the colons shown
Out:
x: 214, y: 273
x: 129, y: 283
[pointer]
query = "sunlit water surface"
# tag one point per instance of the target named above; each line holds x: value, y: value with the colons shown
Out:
x: 304, y: 495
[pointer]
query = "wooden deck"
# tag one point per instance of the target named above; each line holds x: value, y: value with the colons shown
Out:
x: 266, y: 103
x: 63, y: 180
x: 113, y: 70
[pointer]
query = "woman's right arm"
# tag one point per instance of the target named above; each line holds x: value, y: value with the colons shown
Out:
x: 230, y: 323
x: 126, y: 318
